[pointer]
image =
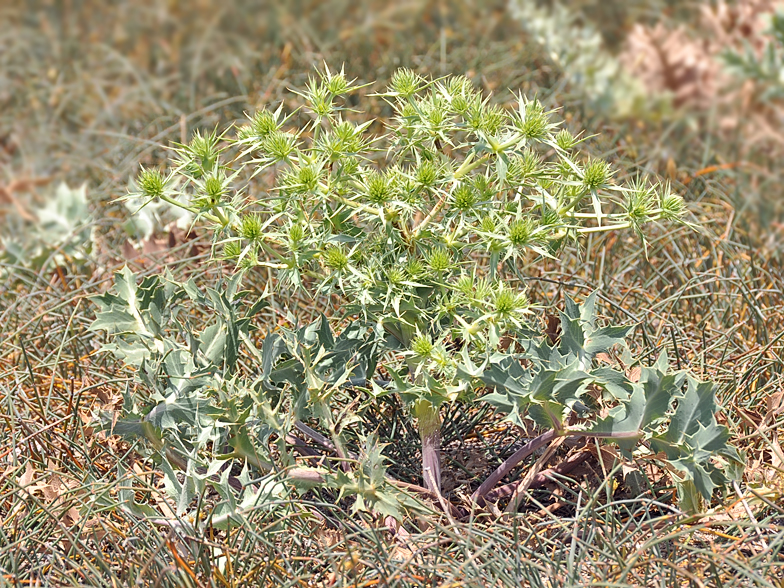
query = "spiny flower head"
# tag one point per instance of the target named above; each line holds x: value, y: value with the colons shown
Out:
x: 337, y: 84
x: 550, y: 218
x: 201, y: 154
x: 349, y: 138
x: 151, y: 182
x: 465, y: 198
x: 319, y: 98
x: 459, y: 85
x: 465, y: 284
x: 532, y: 122
x: 596, y: 174
x: 484, y: 187
x: 406, y: 82
x: 487, y: 224
x: 408, y: 114
x: 279, y: 145
x: 672, y: 206
x: 492, y: 119
x: 252, y: 227
x: 520, y: 168
x: 461, y: 92
x: 308, y: 178
x: 426, y: 174
x: 565, y: 140
x: 565, y: 170
x: 378, y: 188
x: 506, y: 302
x: 474, y: 115
x: 232, y: 249
x: 215, y: 188
x: 395, y: 275
x: 250, y: 260
x: 296, y: 233
x: 435, y: 111
x: 439, y: 260
x: 521, y: 232
x: 639, y: 204
x: 414, y: 268
x: 263, y: 123
x: 422, y: 345
x: 335, y: 258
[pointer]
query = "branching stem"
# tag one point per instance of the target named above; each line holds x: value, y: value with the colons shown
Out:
x: 534, y: 444
x: 511, y: 463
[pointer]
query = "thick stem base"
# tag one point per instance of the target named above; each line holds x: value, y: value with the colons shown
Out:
x: 429, y: 424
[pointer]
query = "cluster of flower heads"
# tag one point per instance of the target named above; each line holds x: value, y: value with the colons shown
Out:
x: 421, y: 223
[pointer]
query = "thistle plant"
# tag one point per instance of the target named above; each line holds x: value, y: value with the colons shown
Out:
x: 577, y: 48
x: 420, y: 230
x: 765, y: 69
x: 62, y: 234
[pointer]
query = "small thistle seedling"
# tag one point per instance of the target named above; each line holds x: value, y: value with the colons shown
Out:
x: 416, y: 243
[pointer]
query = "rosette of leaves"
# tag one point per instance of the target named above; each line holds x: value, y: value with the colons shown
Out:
x: 418, y: 229
x: 200, y: 413
x: 664, y: 415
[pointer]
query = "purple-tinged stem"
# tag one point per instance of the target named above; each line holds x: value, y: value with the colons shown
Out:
x: 562, y: 469
x: 505, y: 468
x: 429, y: 425
x: 479, y: 494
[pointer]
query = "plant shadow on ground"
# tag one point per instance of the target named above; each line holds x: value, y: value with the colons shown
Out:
x: 91, y: 90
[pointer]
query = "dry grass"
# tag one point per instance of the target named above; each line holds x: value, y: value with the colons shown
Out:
x: 88, y: 91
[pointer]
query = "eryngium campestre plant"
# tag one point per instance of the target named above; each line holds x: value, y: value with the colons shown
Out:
x: 415, y: 228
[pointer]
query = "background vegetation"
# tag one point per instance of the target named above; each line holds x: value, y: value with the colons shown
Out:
x: 690, y: 92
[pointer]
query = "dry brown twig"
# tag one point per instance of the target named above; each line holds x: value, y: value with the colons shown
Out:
x: 23, y: 185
